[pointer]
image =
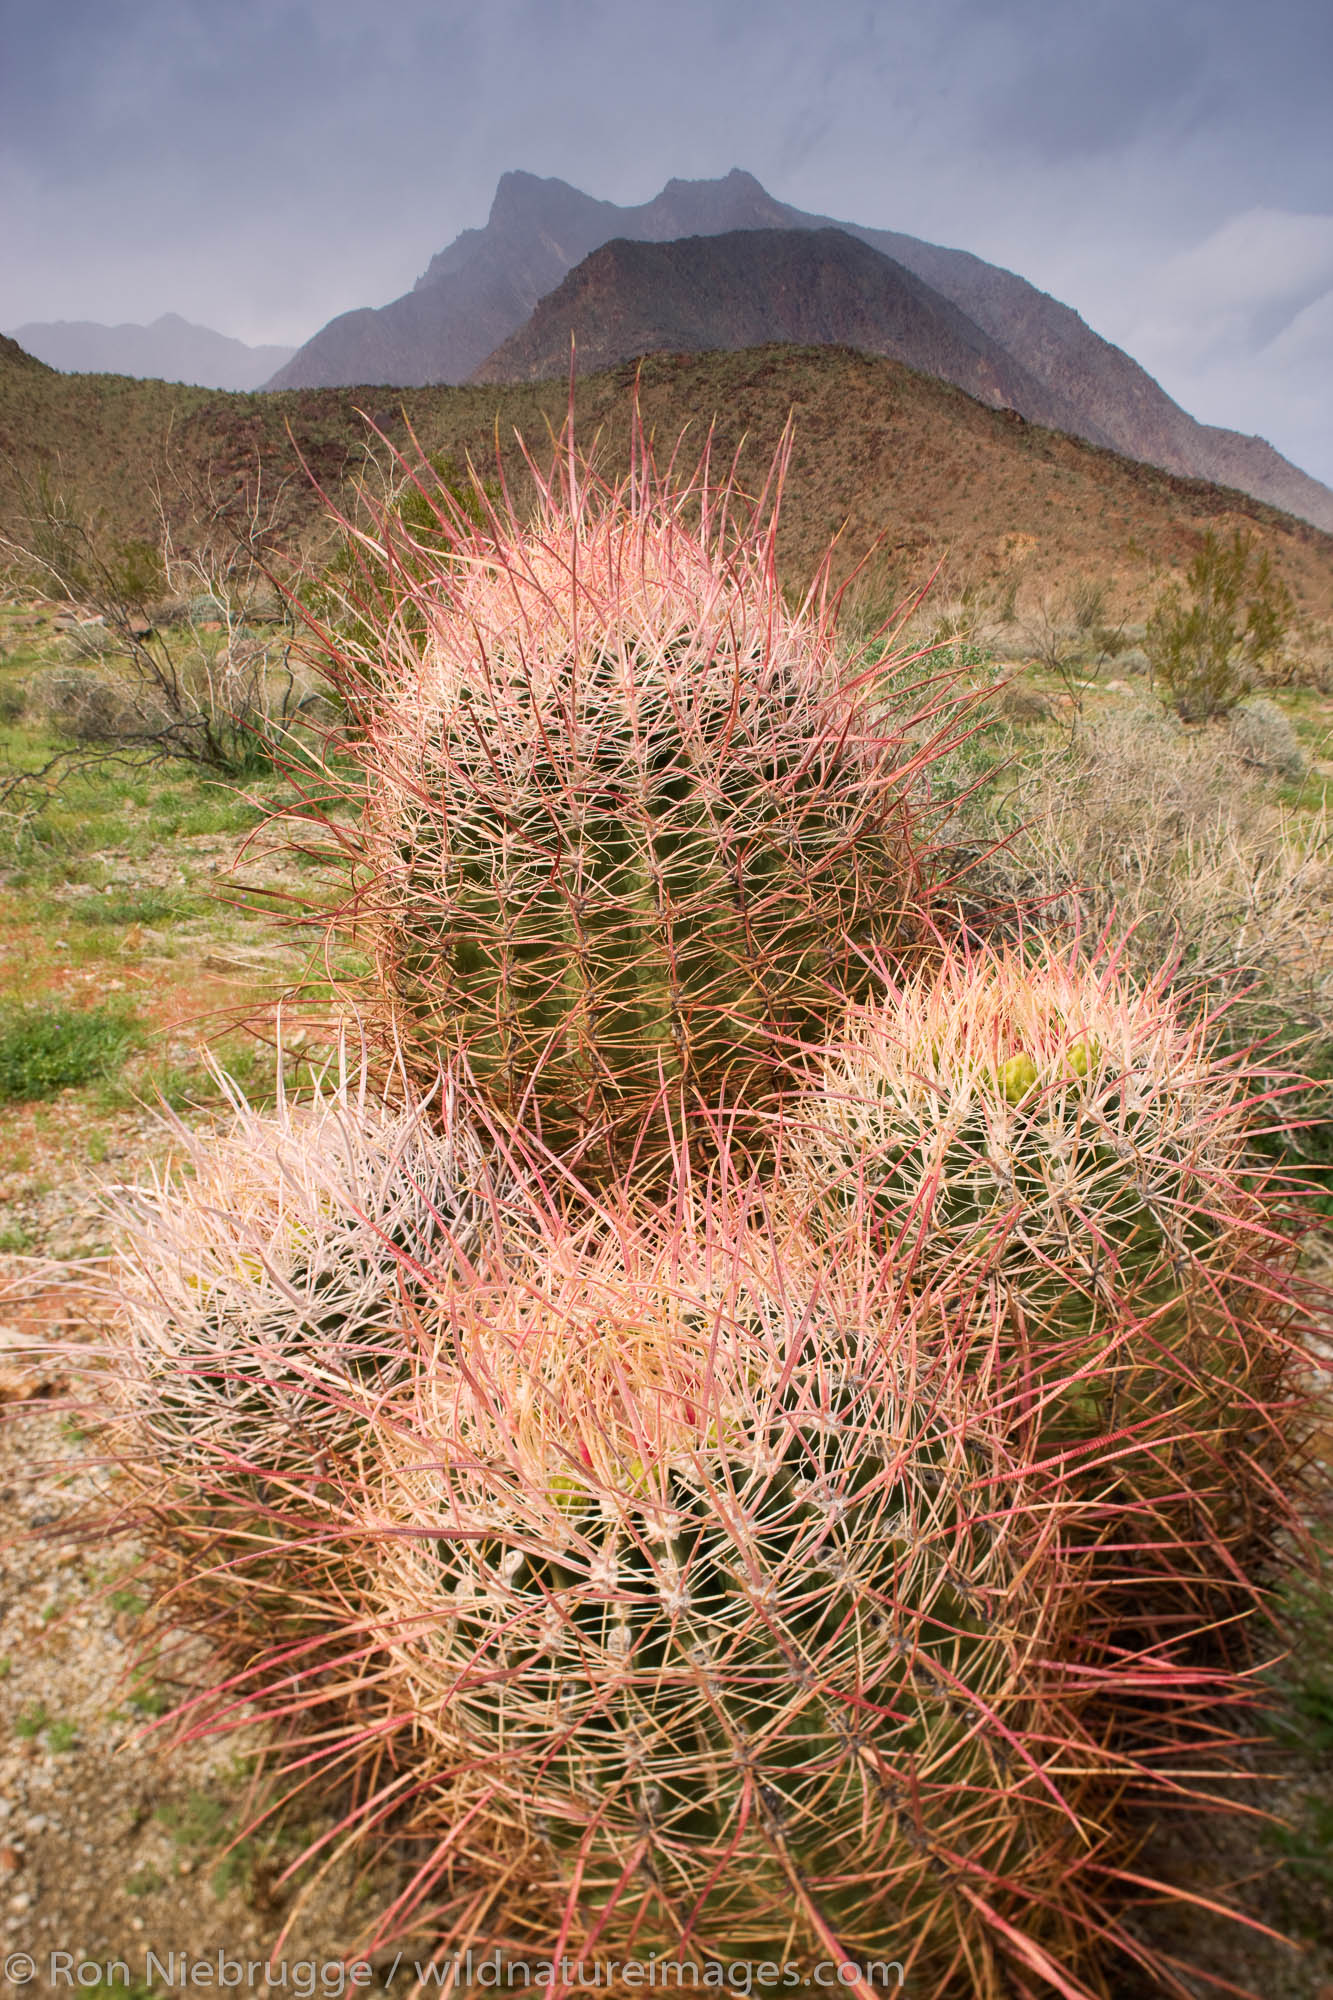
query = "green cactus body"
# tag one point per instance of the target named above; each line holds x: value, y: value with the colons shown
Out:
x: 1059, y: 1147
x: 763, y: 1665
x: 631, y: 821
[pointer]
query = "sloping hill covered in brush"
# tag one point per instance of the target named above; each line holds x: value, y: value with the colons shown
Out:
x: 485, y: 285
x: 881, y: 452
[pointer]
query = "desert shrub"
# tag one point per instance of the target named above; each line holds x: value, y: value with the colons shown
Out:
x: 1209, y: 645
x: 204, y: 608
x: 1173, y: 837
x: 203, y: 684
x: 88, y: 706
x: 628, y: 821
x: 46, y: 1048
x: 1069, y: 633
x: 1263, y: 736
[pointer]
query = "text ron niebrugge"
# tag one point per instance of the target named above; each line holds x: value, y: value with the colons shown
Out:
x: 311, y: 1979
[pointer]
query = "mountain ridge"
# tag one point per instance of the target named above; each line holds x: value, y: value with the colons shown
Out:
x: 484, y: 286
x: 750, y: 288
x: 167, y: 349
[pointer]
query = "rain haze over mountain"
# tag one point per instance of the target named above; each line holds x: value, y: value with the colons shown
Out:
x: 1165, y: 168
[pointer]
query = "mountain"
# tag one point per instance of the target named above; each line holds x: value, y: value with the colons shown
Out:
x: 482, y: 289
x: 172, y: 349
x: 816, y: 287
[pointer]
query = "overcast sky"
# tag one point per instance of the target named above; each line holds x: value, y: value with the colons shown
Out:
x: 1166, y: 166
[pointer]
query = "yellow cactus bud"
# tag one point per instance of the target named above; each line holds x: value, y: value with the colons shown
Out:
x: 566, y: 1492
x: 1017, y: 1077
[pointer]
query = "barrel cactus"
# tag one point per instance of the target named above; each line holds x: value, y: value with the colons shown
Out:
x: 724, y: 1623
x: 268, y: 1273
x: 1040, y: 1133
x: 629, y: 821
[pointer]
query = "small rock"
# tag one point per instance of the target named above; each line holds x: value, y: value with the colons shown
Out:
x: 10, y: 1860
x: 25, y: 1374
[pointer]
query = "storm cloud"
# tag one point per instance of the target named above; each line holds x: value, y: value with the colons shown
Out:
x: 1166, y: 168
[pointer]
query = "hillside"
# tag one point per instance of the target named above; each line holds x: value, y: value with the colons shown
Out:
x: 880, y: 451
x: 171, y: 349
x: 486, y: 284
x: 752, y: 287
x: 1119, y: 402
x: 16, y: 358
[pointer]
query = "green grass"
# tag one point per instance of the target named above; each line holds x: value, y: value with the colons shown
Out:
x: 121, y: 909
x: 31, y: 1720
x: 1305, y: 1679
x: 198, y: 1821
x: 66, y: 829
x: 1302, y: 1722
x: 145, y: 1699
x: 182, y: 1086
x: 47, y: 1048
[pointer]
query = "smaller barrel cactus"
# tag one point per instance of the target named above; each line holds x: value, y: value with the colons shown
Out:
x: 268, y: 1275
x: 1039, y: 1133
